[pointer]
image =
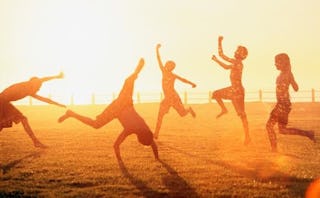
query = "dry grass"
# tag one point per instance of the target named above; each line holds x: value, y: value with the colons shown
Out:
x: 201, y: 157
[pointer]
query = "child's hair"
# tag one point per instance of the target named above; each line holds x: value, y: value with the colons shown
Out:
x: 243, y: 52
x: 284, y: 60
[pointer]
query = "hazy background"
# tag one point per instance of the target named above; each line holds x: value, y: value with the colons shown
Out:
x: 98, y: 43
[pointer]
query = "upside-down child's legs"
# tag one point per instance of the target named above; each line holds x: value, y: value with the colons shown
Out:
x: 139, y: 66
x: 86, y: 120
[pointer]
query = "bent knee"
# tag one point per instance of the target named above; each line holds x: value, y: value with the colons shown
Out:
x: 215, y: 95
x: 97, y: 124
x: 283, y: 130
x: 242, y: 114
x: 23, y: 119
x: 182, y: 112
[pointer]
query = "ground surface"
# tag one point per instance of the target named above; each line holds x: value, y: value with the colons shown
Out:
x: 201, y: 157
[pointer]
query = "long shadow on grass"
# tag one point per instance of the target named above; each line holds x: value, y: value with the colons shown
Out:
x: 7, y: 167
x: 177, y: 186
x: 263, y: 171
x: 145, y: 190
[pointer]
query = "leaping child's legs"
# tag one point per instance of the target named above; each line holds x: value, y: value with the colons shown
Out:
x: 220, y: 94
x: 294, y: 131
x: 244, y: 120
x: 178, y: 106
x: 271, y: 134
x: 238, y: 104
x: 164, y: 109
x: 159, y: 123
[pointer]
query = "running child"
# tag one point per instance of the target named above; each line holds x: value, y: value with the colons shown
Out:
x: 280, y: 112
x: 171, y: 97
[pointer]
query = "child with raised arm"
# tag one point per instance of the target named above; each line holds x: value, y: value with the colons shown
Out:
x: 122, y: 109
x: 10, y: 114
x: 171, y: 97
x: 280, y: 112
x: 235, y: 92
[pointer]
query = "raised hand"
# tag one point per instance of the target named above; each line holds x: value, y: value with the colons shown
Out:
x: 60, y: 75
x: 214, y: 58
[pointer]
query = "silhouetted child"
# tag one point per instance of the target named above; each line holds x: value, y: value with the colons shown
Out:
x: 171, y: 97
x: 10, y: 114
x: 122, y: 108
x: 235, y: 92
x: 281, y: 111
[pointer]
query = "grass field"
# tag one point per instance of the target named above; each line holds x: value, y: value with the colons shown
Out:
x: 201, y: 157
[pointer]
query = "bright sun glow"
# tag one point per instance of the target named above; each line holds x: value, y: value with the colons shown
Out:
x: 98, y: 43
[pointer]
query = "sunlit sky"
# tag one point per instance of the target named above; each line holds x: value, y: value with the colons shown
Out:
x: 97, y: 43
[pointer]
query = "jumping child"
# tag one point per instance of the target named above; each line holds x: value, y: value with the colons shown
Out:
x: 171, y: 97
x: 235, y: 92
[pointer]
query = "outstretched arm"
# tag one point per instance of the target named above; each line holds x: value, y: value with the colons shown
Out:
x: 220, y: 49
x: 222, y: 64
x: 139, y: 66
x: 159, y: 58
x: 186, y: 81
x: 47, y: 100
x: 59, y: 76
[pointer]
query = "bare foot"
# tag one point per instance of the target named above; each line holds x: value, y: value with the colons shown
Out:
x: 223, y: 111
x: 247, y: 141
x: 311, y: 136
x: 39, y: 145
